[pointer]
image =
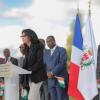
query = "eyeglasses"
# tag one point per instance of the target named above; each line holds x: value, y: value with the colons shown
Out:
x: 22, y: 47
x: 23, y: 36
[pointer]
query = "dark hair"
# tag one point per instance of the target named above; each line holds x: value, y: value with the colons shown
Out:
x: 51, y: 36
x: 6, y: 49
x: 32, y: 35
x: 42, y: 42
x: 34, y: 39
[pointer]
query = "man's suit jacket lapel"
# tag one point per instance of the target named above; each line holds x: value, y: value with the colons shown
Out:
x: 54, y: 52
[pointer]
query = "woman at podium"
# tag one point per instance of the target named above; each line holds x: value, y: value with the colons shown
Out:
x: 33, y: 62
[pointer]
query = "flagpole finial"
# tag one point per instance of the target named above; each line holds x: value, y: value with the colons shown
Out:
x: 78, y: 7
x: 89, y: 9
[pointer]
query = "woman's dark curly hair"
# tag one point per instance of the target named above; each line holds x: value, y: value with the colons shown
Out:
x: 30, y: 33
x: 33, y: 38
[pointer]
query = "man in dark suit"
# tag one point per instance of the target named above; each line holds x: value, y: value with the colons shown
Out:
x: 8, y: 57
x: 55, y: 59
x: 98, y: 74
x: 98, y: 63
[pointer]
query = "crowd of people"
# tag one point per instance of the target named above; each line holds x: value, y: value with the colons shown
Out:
x: 47, y: 66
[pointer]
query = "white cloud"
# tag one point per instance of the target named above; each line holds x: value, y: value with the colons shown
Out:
x: 16, y: 13
x: 10, y: 36
x: 46, y: 18
x: 48, y: 9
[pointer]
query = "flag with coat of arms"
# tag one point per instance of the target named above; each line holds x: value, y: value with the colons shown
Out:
x: 87, y: 83
x: 82, y: 77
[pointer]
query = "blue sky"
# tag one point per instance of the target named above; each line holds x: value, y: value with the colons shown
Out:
x: 15, y: 3
x: 6, y: 5
x: 8, y: 21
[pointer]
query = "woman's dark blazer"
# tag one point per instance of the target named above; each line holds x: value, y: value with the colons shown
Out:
x: 34, y: 62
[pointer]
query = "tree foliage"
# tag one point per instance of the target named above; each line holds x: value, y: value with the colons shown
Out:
x: 69, y: 47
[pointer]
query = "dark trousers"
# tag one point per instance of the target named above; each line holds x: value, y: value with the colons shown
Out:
x: 58, y: 93
x: 44, y: 95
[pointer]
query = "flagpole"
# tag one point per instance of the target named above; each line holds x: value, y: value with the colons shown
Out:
x: 89, y: 13
x: 78, y: 7
x: 89, y: 8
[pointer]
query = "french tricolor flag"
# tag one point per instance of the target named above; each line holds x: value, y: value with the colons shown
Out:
x: 82, y: 76
x: 77, y: 50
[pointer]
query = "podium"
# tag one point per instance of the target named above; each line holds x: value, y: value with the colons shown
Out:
x: 11, y: 74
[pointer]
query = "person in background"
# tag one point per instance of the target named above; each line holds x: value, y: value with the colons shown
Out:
x: 8, y: 57
x: 2, y: 61
x: 97, y: 97
x: 23, y: 93
x: 1, y: 82
x: 21, y: 59
x: 55, y: 59
x: 44, y: 88
x: 13, y: 80
x: 98, y: 64
x: 33, y: 62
